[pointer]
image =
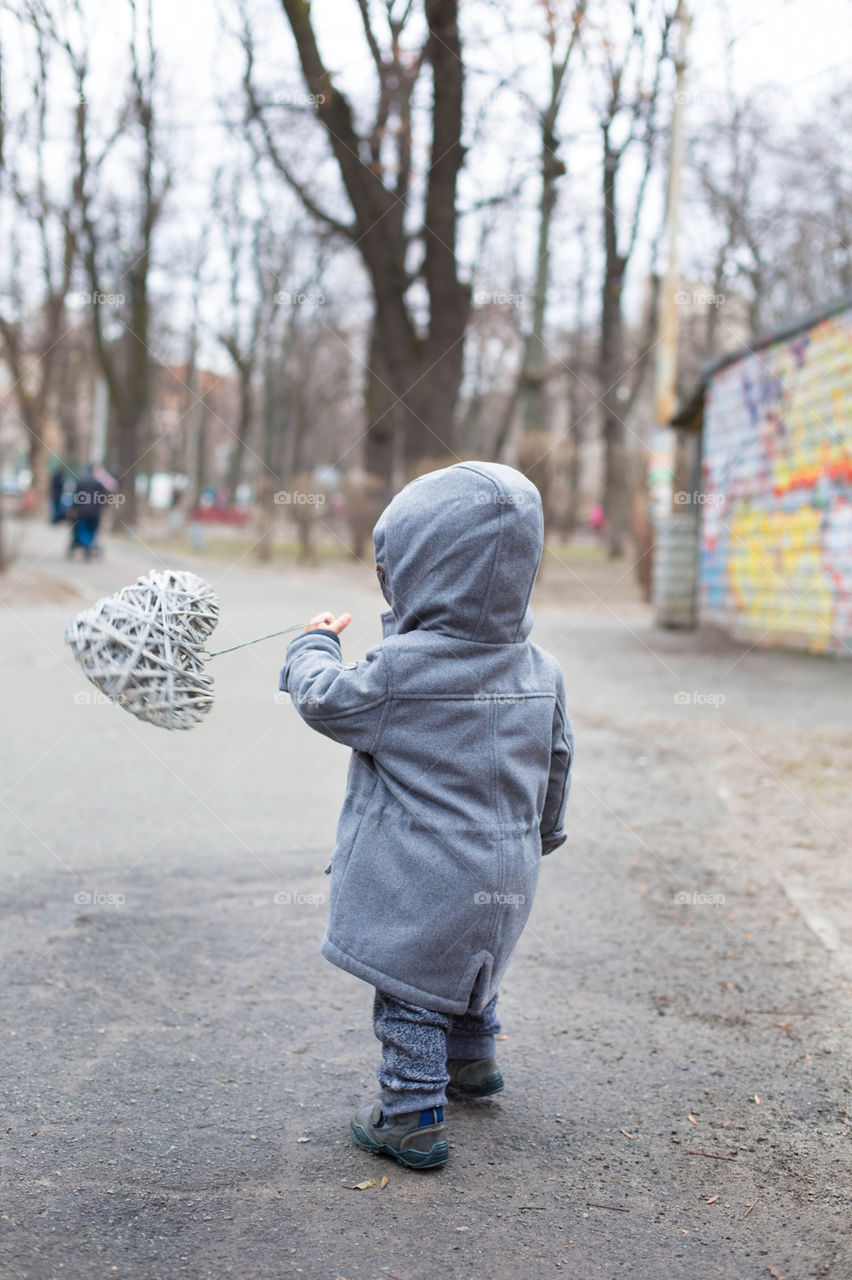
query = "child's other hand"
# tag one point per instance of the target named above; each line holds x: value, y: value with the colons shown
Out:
x: 328, y: 621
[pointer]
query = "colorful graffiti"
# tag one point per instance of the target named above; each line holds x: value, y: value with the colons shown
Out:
x: 776, y: 554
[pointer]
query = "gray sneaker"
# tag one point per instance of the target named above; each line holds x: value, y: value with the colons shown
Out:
x: 415, y: 1139
x: 475, y: 1077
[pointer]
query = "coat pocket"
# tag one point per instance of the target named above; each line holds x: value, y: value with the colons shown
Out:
x: 361, y: 785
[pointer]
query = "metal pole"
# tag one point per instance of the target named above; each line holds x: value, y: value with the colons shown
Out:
x: 666, y: 350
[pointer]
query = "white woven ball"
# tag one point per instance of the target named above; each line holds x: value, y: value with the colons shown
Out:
x: 144, y: 647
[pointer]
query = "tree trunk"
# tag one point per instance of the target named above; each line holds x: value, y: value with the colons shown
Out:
x: 37, y: 458
x: 535, y: 352
x: 383, y: 441
x: 615, y: 496
x: 270, y: 480
x: 422, y: 371
x: 238, y: 450
x: 127, y: 424
x: 267, y: 487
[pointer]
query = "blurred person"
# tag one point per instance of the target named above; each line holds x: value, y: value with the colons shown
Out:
x: 57, y: 494
x: 90, y: 496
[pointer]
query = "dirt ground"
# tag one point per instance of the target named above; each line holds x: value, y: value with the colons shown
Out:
x: 179, y: 1063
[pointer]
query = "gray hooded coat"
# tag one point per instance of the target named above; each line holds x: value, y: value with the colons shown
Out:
x: 461, y: 745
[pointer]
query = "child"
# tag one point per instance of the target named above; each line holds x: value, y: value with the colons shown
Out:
x: 460, y: 769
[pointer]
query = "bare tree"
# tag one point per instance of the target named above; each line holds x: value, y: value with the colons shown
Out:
x: 248, y: 305
x: 3, y: 552
x: 415, y: 364
x: 116, y: 239
x: 628, y: 124
x: 779, y: 202
x: 33, y: 326
x: 533, y: 370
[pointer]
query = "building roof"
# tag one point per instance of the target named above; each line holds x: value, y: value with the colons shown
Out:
x: 690, y: 415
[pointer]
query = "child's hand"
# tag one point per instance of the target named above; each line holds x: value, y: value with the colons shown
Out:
x: 329, y: 622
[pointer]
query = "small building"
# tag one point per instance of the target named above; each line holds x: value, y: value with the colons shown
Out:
x: 759, y: 542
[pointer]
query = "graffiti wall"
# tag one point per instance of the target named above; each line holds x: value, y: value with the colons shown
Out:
x: 776, y: 521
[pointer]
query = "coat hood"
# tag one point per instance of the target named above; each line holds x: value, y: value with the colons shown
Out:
x: 457, y: 552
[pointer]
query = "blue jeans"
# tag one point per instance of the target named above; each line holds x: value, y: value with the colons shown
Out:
x: 416, y: 1044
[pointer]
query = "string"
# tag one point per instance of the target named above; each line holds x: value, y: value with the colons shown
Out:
x: 218, y: 653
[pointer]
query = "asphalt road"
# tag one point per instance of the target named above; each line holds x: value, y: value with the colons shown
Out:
x: 179, y: 1063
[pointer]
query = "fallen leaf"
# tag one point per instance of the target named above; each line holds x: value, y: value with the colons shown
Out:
x: 383, y: 1184
x: 501, y: 1037
x: 712, y: 1200
x: 626, y: 1134
x: 364, y: 1186
x: 692, y: 1119
x: 304, y: 1049
x: 757, y: 1100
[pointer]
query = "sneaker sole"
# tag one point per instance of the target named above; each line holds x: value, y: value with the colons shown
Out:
x: 437, y: 1155
x: 491, y: 1084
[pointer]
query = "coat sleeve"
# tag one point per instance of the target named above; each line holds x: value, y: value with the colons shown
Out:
x: 346, y: 703
x: 559, y: 782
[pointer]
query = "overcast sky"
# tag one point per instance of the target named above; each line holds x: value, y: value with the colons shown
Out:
x: 795, y: 46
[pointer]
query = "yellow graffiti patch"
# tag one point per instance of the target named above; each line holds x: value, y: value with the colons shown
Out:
x: 776, y: 574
